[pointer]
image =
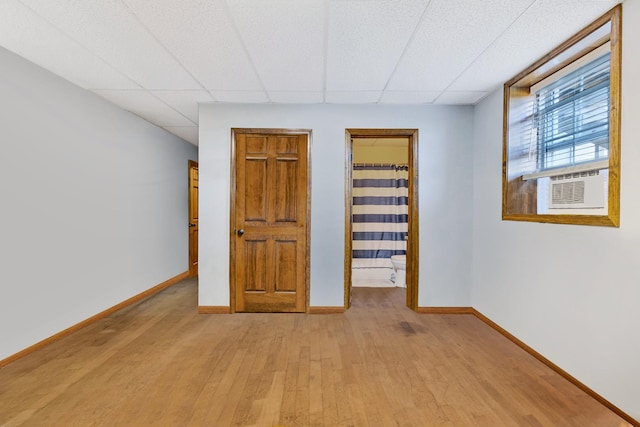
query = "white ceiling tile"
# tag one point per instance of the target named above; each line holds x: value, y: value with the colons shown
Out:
x: 377, y: 51
x: 452, y: 35
x: 285, y: 39
x: 353, y: 97
x: 296, y: 97
x: 145, y: 105
x: 241, y: 97
x: 408, y: 97
x: 460, y: 97
x: 202, y: 36
x: 543, y: 27
x: 184, y: 101
x: 188, y: 133
x: 25, y: 33
x: 110, y: 31
x: 366, y: 40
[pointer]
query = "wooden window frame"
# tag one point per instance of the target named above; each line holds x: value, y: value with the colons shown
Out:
x: 519, y: 196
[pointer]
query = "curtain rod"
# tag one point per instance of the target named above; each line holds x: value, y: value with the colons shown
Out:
x: 380, y: 164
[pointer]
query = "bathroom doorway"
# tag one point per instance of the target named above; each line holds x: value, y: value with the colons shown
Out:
x: 381, y: 218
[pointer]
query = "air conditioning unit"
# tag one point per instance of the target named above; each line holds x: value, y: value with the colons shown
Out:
x: 580, y: 190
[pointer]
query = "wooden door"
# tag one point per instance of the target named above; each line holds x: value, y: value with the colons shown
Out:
x: 193, y: 218
x: 270, y: 262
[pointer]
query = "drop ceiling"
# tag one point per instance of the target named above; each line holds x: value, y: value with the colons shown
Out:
x: 160, y: 58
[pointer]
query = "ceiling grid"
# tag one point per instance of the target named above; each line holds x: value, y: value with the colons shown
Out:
x: 160, y: 59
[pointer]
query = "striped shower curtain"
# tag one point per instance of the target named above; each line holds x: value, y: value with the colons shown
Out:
x: 380, y: 213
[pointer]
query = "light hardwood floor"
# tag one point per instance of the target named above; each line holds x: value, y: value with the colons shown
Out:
x: 159, y: 363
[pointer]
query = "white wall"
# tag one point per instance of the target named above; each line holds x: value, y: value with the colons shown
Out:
x: 94, y: 204
x: 445, y: 162
x: 570, y: 292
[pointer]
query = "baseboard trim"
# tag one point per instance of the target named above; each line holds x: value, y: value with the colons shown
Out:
x: 214, y: 309
x: 445, y: 310
x: 556, y: 368
x: 326, y: 310
x: 94, y: 318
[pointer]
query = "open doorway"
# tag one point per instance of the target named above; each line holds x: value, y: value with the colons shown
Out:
x: 381, y: 223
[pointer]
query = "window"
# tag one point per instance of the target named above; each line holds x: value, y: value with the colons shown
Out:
x: 571, y: 117
x: 561, y: 131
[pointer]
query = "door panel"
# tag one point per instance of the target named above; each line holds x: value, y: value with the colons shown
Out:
x: 256, y: 144
x: 285, y: 255
x: 255, y: 261
x: 270, y: 222
x: 286, y: 144
x: 286, y: 190
x: 255, y: 191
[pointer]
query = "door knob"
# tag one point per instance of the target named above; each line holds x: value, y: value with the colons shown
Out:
x: 240, y: 232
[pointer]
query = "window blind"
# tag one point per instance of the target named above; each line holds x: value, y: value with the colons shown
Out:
x: 570, y: 117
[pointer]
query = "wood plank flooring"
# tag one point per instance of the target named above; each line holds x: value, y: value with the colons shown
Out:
x: 159, y: 363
